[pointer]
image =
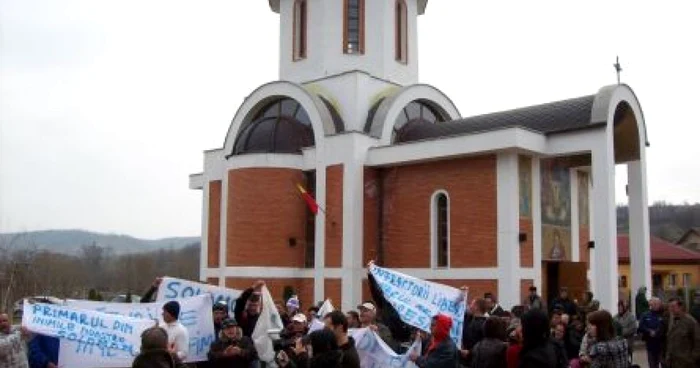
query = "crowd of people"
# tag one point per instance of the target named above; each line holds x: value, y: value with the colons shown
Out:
x: 564, y: 333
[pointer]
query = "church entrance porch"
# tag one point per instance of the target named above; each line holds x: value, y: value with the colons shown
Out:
x: 558, y: 274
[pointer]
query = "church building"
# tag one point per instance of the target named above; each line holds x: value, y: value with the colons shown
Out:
x: 498, y: 202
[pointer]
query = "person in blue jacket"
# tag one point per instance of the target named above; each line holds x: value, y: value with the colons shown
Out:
x: 43, y: 352
x: 651, y: 328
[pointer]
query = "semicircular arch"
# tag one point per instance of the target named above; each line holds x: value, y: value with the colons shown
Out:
x: 389, y: 109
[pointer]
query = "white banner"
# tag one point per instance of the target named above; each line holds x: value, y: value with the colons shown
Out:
x: 317, y: 323
x: 417, y: 301
x: 375, y: 353
x: 104, y: 337
x: 175, y: 289
x: 195, y: 316
x: 269, y: 320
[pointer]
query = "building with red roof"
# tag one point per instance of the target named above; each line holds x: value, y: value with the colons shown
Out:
x: 672, y: 266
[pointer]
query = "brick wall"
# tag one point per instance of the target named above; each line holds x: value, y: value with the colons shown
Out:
x: 471, y: 185
x: 334, y: 216
x: 333, y: 291
x: 214, y: 224
x: 264, y: 211
x: 213, y: 281
x: 525, y: 288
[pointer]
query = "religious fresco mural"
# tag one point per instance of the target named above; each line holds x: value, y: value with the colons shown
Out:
x: 583, y: 199
x: 525, y: 186
x: 556, y: 243
x: 556, y: 194
x: 556, y: 210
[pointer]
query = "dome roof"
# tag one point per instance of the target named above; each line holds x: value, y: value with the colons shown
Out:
x: 282, y: 126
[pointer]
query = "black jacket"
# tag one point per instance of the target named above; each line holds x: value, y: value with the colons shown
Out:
x: 350, y: 357
x: 567, y: 306
x: 445, y: 355
x: 331, y: 359
x: 489, y: 353
x: 544, y: 356
x: 245, y: 321
x: 157, y: 359
x: 218, y: 359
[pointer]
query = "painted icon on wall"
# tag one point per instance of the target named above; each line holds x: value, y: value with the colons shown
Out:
x: 556, y: 194
x: 525, y: 186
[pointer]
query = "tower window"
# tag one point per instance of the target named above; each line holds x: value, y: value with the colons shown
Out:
x: 299, y: 29
x: 401, y: 32
x: 354, y: 27
x: 440, y: 230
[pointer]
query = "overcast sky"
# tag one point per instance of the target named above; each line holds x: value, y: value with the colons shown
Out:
x: 106, y: 106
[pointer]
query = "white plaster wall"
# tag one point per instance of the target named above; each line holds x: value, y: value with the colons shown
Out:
x: 325, y: 54
x: 352, y: 94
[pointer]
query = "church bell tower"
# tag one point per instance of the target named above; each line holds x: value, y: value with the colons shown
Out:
x: 322, y: 38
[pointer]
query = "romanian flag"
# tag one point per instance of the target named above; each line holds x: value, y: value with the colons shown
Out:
x: 310, y: 201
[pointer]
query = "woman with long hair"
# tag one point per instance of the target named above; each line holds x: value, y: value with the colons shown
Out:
x: 538, y: 351
x: 608, y: 350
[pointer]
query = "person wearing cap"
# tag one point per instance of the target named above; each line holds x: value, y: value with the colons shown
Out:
x: 232, y: 349
x: 298, y: 327
x: 178, y: 337
x: 248, y: 308
x: 368, y: 318
x: 219, y: 313
x: 534, y: 301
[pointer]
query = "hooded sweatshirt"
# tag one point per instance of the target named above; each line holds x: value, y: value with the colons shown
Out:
x: 442, y: 351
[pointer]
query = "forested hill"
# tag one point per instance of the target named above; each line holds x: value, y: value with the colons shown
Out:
x: 667, y: 221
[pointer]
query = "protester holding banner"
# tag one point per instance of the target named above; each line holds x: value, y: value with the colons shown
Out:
x: 442, y: 351
x: 154, y: 351
x: 368, y: 319
x: 232, y: 349
x: 248, y: 308
x: 13, y: 344
x: 149, y: 295
x: 336, y: 322
x: 178, y: 337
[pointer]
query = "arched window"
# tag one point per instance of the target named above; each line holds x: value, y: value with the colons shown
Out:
x: 281, y: 126
x: 440, y: 230
x: 401, y: 30
x: 354, y: 26
x: 299, y: 30
x: 416, y: 112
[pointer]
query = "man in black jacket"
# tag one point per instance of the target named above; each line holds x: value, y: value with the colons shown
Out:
x: 336, y: 322
x: 248, y: 308
x: 232, y: 349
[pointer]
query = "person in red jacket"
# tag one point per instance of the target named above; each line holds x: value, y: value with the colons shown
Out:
x: 515, y: 345
x: 442, y: 351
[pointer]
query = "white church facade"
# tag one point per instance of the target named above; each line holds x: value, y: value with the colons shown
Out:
x: 499, y: 201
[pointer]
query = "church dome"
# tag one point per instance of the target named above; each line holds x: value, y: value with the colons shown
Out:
x: 281, y: 126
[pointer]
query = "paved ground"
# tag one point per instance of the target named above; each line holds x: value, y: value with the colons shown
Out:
x: 639, y: 355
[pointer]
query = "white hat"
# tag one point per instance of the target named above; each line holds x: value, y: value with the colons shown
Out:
x: 367, y: 305
x: 301, y: 318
